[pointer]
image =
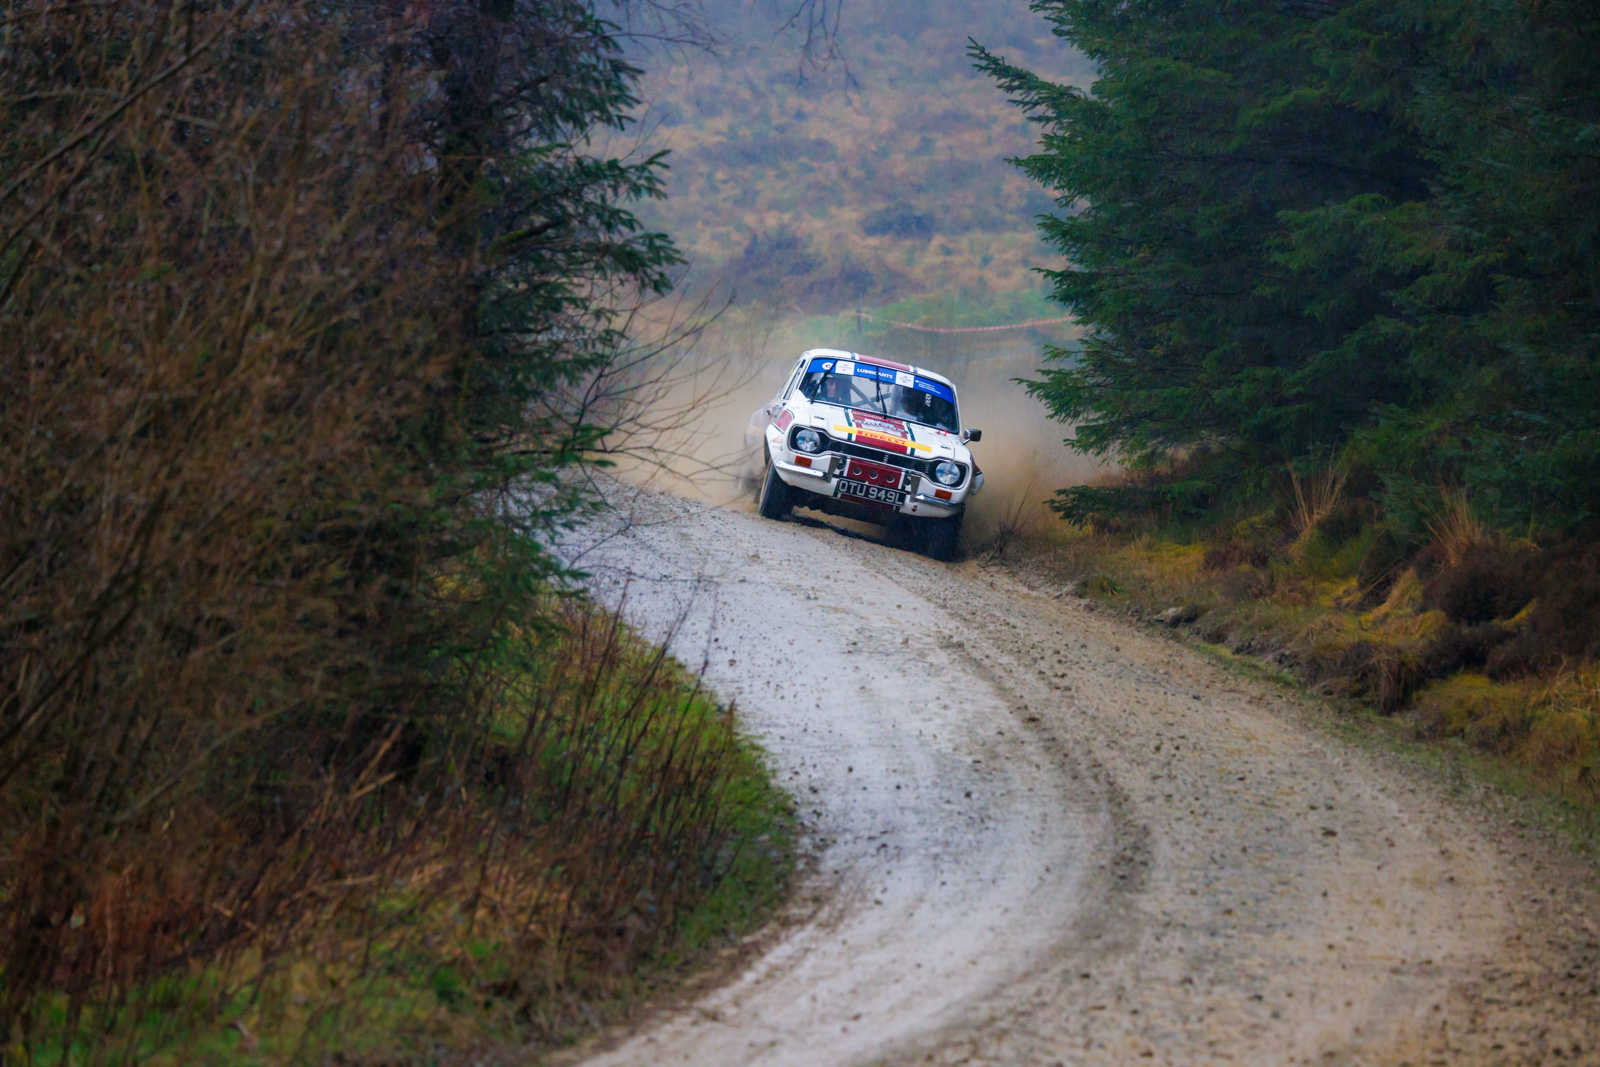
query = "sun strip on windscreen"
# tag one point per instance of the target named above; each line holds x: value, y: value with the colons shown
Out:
x: 884, y: 374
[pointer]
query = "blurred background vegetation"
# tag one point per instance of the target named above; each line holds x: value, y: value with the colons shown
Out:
x: 878, y: 176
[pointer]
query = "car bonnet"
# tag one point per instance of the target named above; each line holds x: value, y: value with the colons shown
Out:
x: 886, y: 432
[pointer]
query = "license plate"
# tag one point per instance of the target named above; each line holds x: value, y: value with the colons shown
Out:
x: 877, y: 494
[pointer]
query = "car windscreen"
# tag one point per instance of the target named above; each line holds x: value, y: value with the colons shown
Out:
x: 868, y: 387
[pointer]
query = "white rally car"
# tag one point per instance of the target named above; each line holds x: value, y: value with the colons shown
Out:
x: 869, y: 439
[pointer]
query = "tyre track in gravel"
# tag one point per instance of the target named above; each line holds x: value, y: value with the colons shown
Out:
x: 1045, y: 837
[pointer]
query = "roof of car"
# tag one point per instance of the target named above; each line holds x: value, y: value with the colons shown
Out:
x: 839, y: 353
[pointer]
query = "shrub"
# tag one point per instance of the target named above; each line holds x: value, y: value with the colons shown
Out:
x: 290, y: 303
x: 1461, y: 647
x: 1384, y: 675
x: 1484, y: 580
x: 1563, y: 623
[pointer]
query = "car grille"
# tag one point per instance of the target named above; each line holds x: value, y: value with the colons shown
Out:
x: 877, y: 455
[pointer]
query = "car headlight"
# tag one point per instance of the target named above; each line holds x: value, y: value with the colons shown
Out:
x: 947, y: 473
x: 808, y: 441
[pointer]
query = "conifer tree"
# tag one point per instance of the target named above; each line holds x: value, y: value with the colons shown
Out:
x: 1209, y: 122
x: 1296, y: 229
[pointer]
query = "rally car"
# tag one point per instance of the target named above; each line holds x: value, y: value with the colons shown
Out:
x: 869, y: 439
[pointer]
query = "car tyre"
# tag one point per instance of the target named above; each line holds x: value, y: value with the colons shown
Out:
x: 942, y: 538
x: 773, y: 502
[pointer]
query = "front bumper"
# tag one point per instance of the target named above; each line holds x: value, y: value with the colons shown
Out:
x: 822, y: 479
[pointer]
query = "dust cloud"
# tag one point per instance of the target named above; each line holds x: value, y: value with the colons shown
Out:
x: 1023, y: 454
x: 739, y: 362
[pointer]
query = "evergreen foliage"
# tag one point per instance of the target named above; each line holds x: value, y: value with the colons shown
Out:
x: 1301, y: 230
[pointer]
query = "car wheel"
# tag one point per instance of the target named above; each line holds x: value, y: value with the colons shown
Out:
x: 907, y: 534
x: 942, y: 537
x: 774, y: 500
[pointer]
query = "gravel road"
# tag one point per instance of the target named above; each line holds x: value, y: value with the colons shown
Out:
x: 1043, y: 836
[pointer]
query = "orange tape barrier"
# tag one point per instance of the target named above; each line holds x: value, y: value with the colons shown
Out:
x: 964, y: 329
x: 948, y: 329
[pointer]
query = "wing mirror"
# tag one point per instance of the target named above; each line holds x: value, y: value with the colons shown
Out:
x: 971, y: 435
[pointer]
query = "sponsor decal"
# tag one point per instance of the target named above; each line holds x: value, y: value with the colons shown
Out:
x: 902, y: 377
x: 882, y: 431
x: 939, y: 389
x: 887, y: 441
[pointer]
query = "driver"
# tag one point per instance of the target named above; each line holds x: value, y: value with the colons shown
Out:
x: 835, y: 390
x: 913, y: 404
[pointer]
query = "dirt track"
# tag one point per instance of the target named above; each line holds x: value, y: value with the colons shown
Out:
x: 1045, y: 837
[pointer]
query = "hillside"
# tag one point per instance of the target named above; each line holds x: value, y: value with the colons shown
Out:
x: 881, y: 176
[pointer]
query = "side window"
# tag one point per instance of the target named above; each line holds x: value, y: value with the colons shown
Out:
x: 798, y: 368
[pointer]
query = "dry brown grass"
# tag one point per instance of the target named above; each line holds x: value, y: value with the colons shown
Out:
x: 1314, y: 499
x: 1455, y: 529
